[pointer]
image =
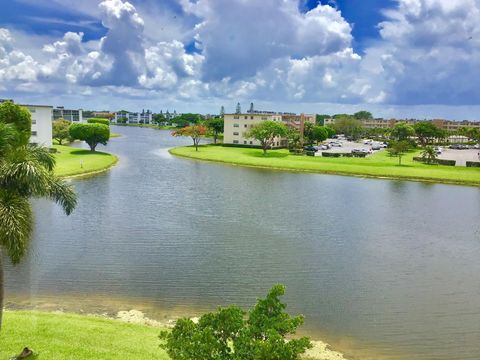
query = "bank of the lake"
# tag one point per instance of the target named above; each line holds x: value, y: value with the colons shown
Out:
x: 73, y: 161
x: 378, y: 165
x: 58, y: 335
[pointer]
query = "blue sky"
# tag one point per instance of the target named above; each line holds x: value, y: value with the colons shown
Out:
x: 397, y: 58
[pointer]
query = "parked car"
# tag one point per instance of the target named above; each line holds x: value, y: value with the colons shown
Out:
x: 368, y: 142
x: 476, y: 146
x: 438, y: 150
x: 376, y: 147
x: 310, y: 148
x: 336, y: 144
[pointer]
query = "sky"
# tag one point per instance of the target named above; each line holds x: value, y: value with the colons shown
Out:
x: 395, y: 58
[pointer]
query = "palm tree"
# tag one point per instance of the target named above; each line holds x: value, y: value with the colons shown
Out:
x: 26, y: 171
x: 429, y: 155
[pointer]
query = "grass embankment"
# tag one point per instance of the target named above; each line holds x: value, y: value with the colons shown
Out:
x: 68, y: 336
x: 73, y: 161
x: 379, y: 165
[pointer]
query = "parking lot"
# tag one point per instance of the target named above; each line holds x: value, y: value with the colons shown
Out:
x: 347, y: 147
x: 460, y: 156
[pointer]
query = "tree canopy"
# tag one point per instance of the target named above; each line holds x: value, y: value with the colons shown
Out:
x: 348, y: 126
x: 315, y: 133
x: 60, y: 130
x: 20, y: 118
x: 195, y: 132
x: 99, y: 121
x: 361, y: 115
x: 228, y: 335
x: 266, y: 132
x: 215, y: 125
x: 92, y: 134
x: 427, y: 131
x: 401, y: 132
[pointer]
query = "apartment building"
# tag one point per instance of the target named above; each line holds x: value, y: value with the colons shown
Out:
x: 237, y: 125
x: 42, y: 116
x: 70, y: 115
x: 144, y: 117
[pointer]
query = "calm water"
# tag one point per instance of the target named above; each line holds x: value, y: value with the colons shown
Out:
x: 385, y: 265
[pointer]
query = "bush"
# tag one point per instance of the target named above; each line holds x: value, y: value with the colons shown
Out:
x: 228, y: 335
x: 327, y: 154
x: 98, y: 121
x: 310, y: 153
x: 437, y: 161
x: 473, y: 164
x: 92, y: 134
x: 359, y: 154
x: 347, y: 155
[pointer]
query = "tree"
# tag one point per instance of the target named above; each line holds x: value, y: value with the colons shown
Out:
x: 429, y: 155
x: 426, y: 132
x: 251, y: 108
x: 398, y: 149
x: 266, y: 132
x: 222, y: 111
x: 215, y: 125
x: 20, y: 117
x: 99, y: 121
x: 187, y: 119
x: 238, y: 110
x: 227, y: 335
x: 330, y: 131
x: 158, y: 119
x: 295, y: 141
x: 92, y: 134
x: 402, y: 132
x: 348, y: 125
x: 26, y: 171
x: 320, y: 119
x: 315, y: 133
x: 361, y: 115
x: 195, y: 132
x: 60, y: 130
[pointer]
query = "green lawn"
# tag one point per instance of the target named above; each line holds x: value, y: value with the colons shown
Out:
x: 67, y: 336
x: 72, y: 161
x: 377, y: 165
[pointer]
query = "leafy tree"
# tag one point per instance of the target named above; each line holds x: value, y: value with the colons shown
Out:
x: 349, y: 126
x: 158, y: 119
x: 187, y: 119
x: 402, y: 132
x: 361, y: 115
x: 330, y: 132
x: 20, y: 117
x: 266, y: 132
x: 398, y: 149
x: 295, y: 141
x: 427, y: 131
x: 429, y: 155
x: 195, y: 132
x: 99, y: 121
x: 315, y: 133
x: 26, y: 172
x: 238, y: 109
x: 215, y: 125
x: 60, y: 130
x: 227, y: 335
x: 92, y: 134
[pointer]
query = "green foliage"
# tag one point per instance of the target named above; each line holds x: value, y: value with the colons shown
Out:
x: 320, y: 119
x: 195, y: 132
x: 60, y: 130
x: 402, y: 132
x: 427, y: 131
x: 349, y: 126
x: 361, y: 115
x: 314, y: 133
x: 429, y: 156
x: 187, y: 119
x: 92, y: 134
x: 227, y: 335
x: 398, y: 149
x: 266, y: 132
x: 99, y: 121
x: 158, y: 119
x: 21, y: 119
x: 215, y: 125
x: 295, y: 143
x: 330, y: 132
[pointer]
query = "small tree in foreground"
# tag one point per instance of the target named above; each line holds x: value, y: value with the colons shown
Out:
x: 60, y: 130
x: 398, y: 149
x: 92, y: 134
x: 195, y: 132
x: 228, y: 335
x: 266, y: 132
x: 215, y: 125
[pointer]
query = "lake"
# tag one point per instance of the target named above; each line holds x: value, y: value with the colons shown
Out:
x: 381, y: 269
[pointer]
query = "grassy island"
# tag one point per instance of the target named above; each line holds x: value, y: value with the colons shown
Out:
x: 379, y: 165
x: 68, y: 336
x: 73, y: 161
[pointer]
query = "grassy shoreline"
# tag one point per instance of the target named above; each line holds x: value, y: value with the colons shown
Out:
x: 379, y: 165
x: 75, y: 162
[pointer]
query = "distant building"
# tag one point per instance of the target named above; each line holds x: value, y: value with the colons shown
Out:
x: 236, y: 126
x: 70, y: 115
x: 144, y: 117
x: 42, y: 116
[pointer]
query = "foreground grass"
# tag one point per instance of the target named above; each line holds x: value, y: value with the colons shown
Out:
x: 68, y: 336
x: 378, y: 165
x: 72, y: 161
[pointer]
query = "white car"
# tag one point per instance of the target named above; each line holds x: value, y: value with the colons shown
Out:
x: 368, y: 142
x: 325, y: 147
x: 336, y: 144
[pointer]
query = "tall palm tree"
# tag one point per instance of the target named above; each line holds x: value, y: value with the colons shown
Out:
x: 26, y: 172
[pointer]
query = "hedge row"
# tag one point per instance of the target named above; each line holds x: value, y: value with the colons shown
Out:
x: 336, y: 155
x: 437, y: 161
x: 473, y: 164
x: 98, y: 121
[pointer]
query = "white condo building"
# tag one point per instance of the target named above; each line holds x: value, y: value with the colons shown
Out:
x: 237, y: 125
x: 42, y: 116
x: 70, y: 115
x: 144, y: 117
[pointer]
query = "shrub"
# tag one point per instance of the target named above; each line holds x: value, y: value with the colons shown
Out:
x: 327, y: 154
x: 473, y: 164
x: 92, y: 134
x: 98, y: 121
x: 310, y: 153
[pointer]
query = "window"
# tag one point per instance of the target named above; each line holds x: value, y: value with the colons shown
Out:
x: 34, y: 133
x: 251, y: 117
x: 251, y: 142
x: 236, y: 125
x: 235, y: 141
x: 245, y: 142
x: 246, y: 117
x: 264, y: 118
x: 245, y: 125
x: 34, y: 121
x: 235, y: 133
